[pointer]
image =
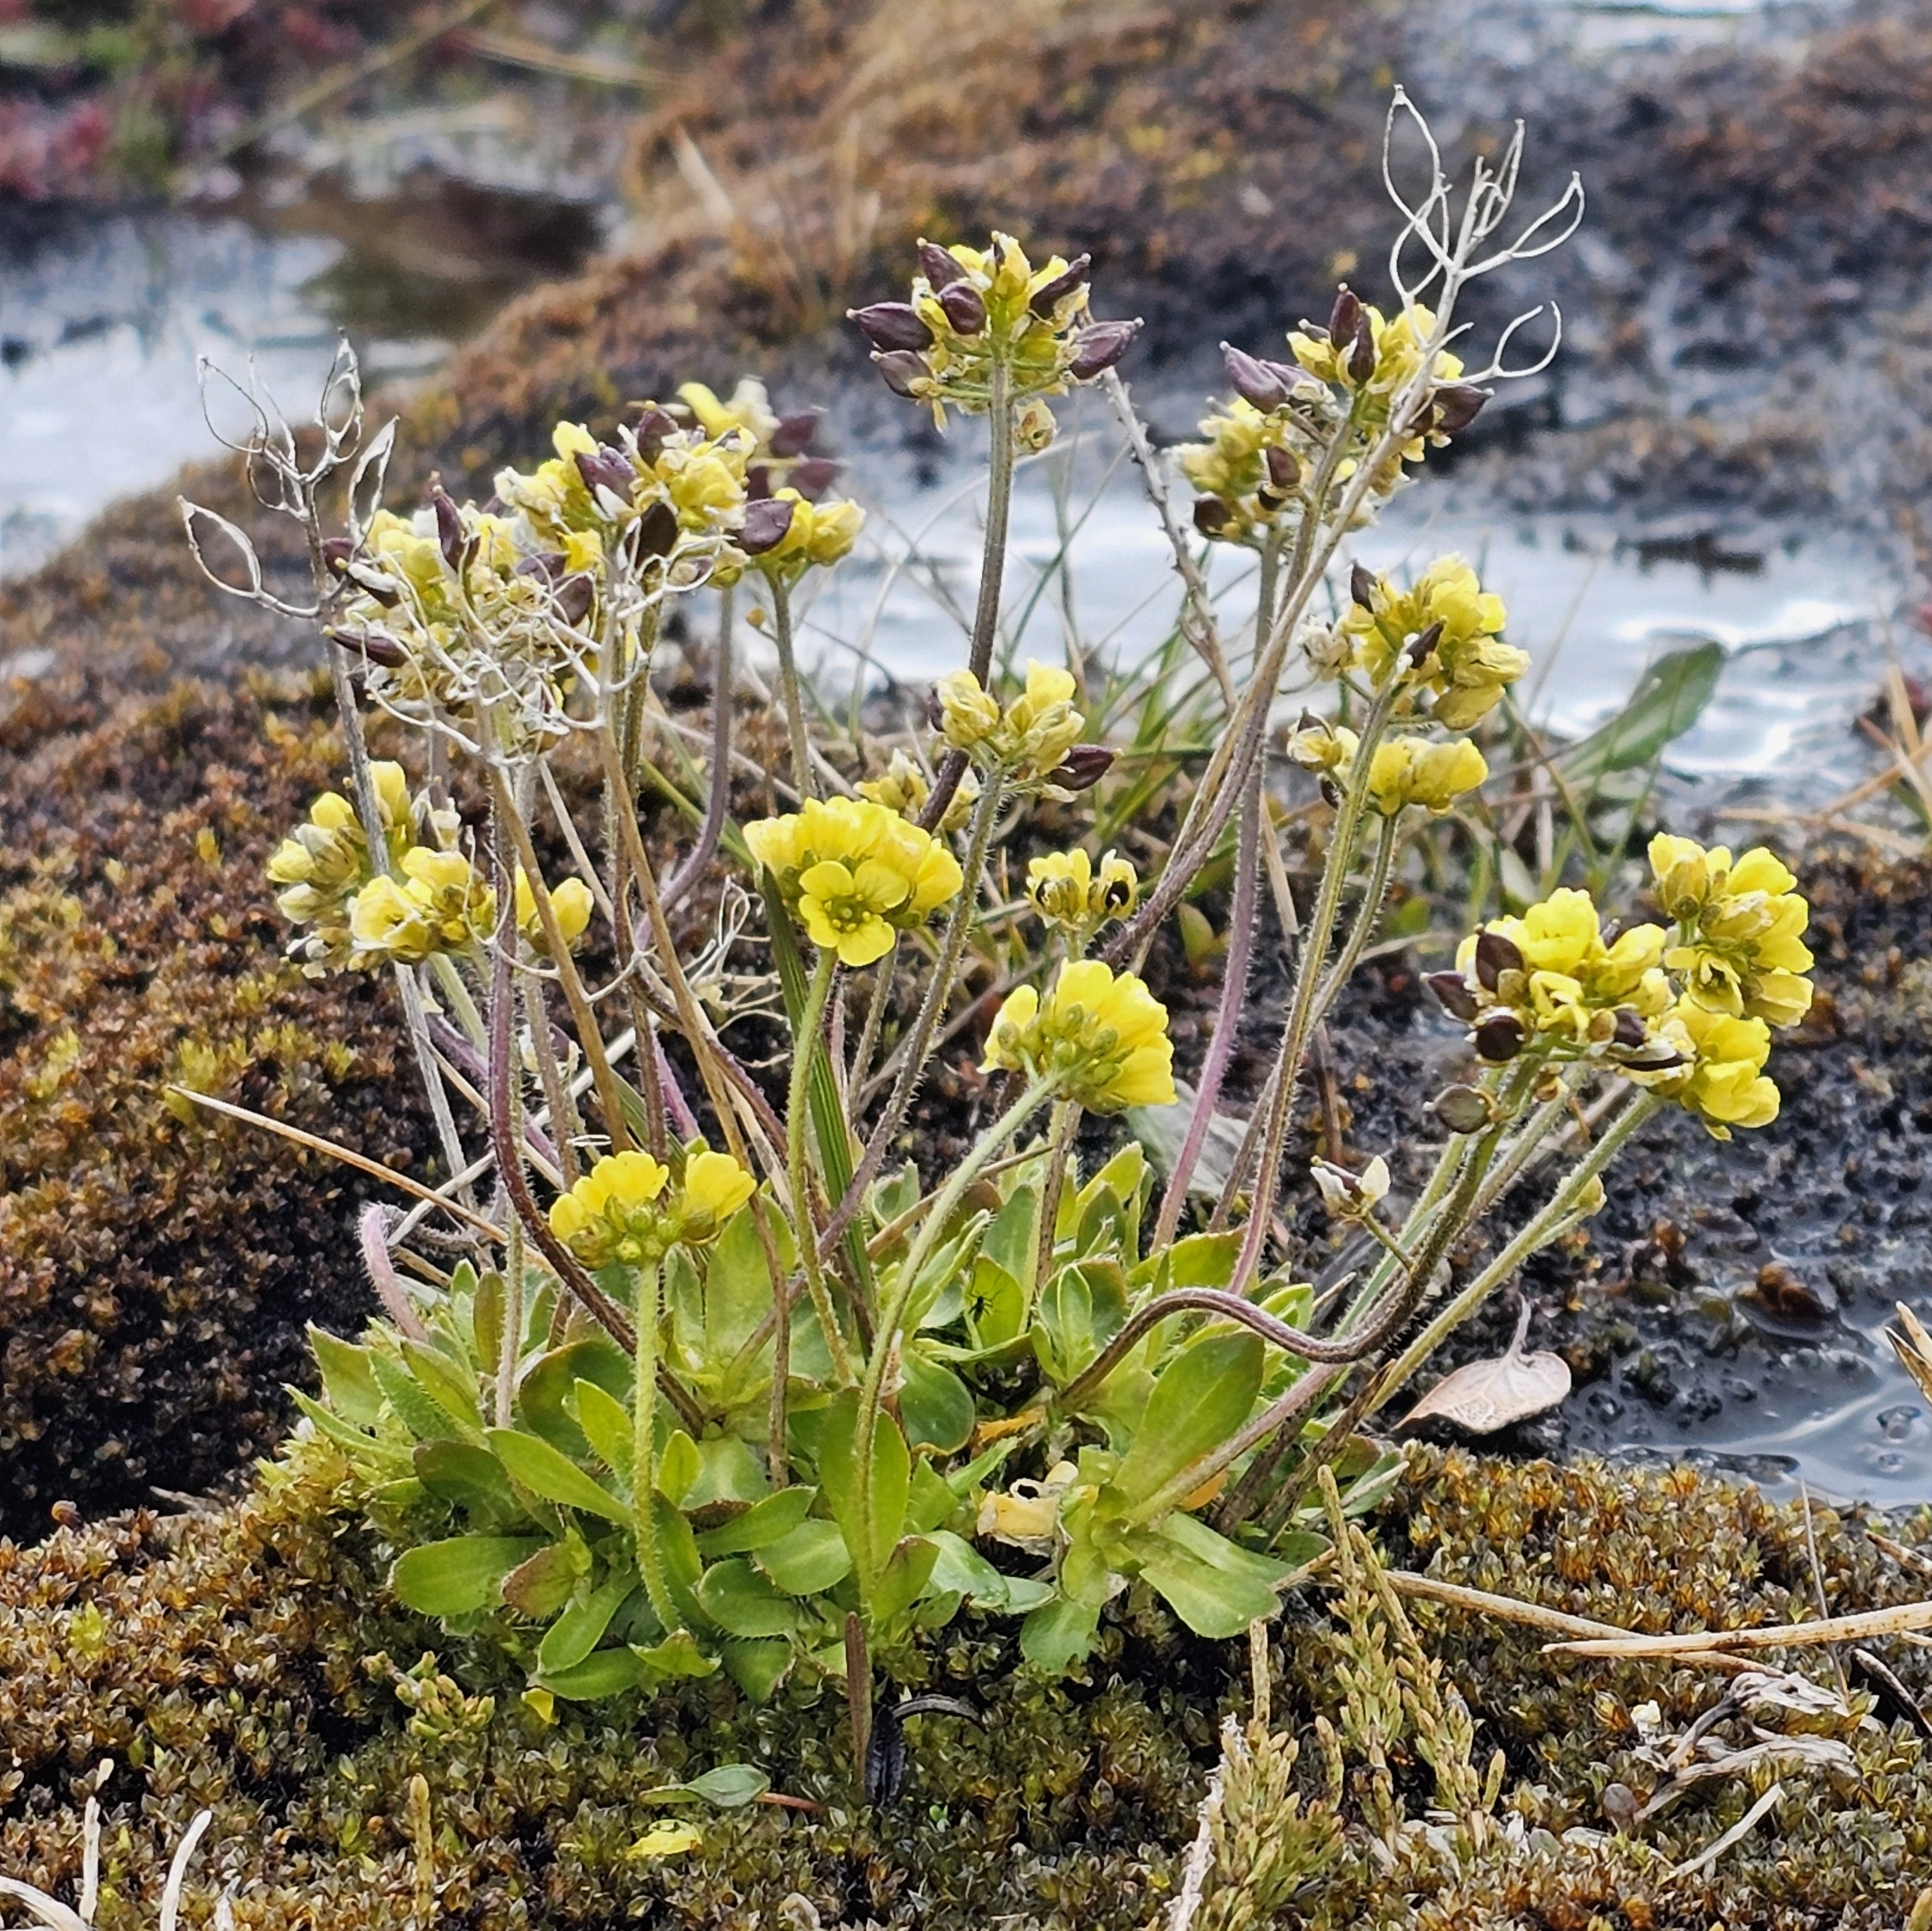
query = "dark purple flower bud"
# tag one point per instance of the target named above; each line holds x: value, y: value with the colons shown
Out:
x: 1050, y: 295
x: 937, y: 265
x: 1083, y: 768
x: 605, y: 468
x: 1452, y: 994
x: 892, y: 325
x: 900, y: 370
x: 1254, y: 381
x: 1631, y: 1031
x: 653, y: 427
x: 814, y: 477
x: 1098, y: 346
x: 1496, y: 955
x: 1362, y: 356
x: 964, y: 307
x: 1457, y: 406
x: 794, y: 433
x: 373, y: 578
x: 547, y: 564
x: 1345, y: 314
x: 765, y: 524
x: 1284, y: 471
x: 1422, y: 645
x: 657, y: 531
x: 450, y: 534
x: 377, y: 645
x: 1362, y: 588
x: 1211, y: 516
x: 1499, y: 1037
x: 574, y: 597
x: 336, y: 552
x: 757, y: 483
x: 935, y: 711
x: 1461, y: 1109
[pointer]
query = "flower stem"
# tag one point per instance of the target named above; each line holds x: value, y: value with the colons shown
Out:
x: 805, y: 1049
x: 788, y: 684
x: 644, y: 1453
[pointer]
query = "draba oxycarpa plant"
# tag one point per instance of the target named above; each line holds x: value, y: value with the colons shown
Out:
x: 681, y: 1374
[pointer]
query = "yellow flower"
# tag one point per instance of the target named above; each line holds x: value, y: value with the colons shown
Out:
x: 1466, y: 665
x: 855, y: 873
x: 1397, y: 345
x: 749, y: 409
x: 969, y: 716
x: 1029, y: 738
x: 819, y: 535
x: 619, y: 1211
x: 904, y: 787
x: 1721, y: 1078
x: 1741, y: 928
x: 1100, y: 1038
x: 571, y: 902
x: 321, y: 864
x: 1066, y: 889
x: 1413, y: 771
x: 439, y: 905
x: 386, y: 923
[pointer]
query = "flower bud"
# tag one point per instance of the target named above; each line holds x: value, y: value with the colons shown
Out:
x: 449, y: 532
x: 377, y: 645
x: 336, y: 552
x: 1462, y: 1109
x: 814, y: 477
x: 1211, y: 516
x: 794, y: 433
x: 1422, y: 645
x: 1098, y: 346
x: 657, y: 531
x: 1362, y: 356
x: 1457, y: 406
x: 1352, y: 1194
x: 900, y: 368
x: 766, y: 524
x: 1050, y: 294
x: 1254, y: 381
x: 1083, y: 768
x: 653, y: 427
x: 964, y: 307
x: 1496, y: 955
x: 1631, y: 1031
x: 1345, y: 314
x: 574, y: 597
x: 937, y: 265
x: 889, y: 326
x: 1452, y: 995
x: 757, y: 483
x: 605, y: 468
x: 1499, y: 1037
x: 1362, y: 588
x: 1284, y: 471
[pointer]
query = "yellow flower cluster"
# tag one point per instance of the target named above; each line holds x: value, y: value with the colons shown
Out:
x: 324, y: 861
x: 1372, y: 359
x: 1028, y: 740
x: 1100, y: 1038
x: 438, y: 904
x: 1403, y: 771
x: 1068, y: 890
x: 817, y: 535
x: 856, y: 874
x: 619, y: 1212
x: 974, y: 311
x: 1442, y: 634
x: 904, y: 787
x: 1245, y: 471
x: 1690, y: 1020
x: 1741, y: 929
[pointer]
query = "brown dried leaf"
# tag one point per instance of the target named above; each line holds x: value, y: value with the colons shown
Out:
x: 1481, y: 1397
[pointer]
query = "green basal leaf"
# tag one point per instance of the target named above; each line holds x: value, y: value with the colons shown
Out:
x: 962, y: 1569
x: 760, y: 1526
x: 605, y: 1673
x: 737, y: 1291
x: 541, y: 1587
x: 934, y: 1404
x: 606, y: 1425
x: 757, y: 1669
x: 995, y: 1305
x: 538, y: 1467
x: 459, y: 1575
x: 1014, y: 1232
x: 729, y: 1787
x: 903, y: 1579
x: 1214, y: 1586
x: 452, y: 1389
x: 1203, y: 1396
x: 470, y: 1477
x: 678, y: 1550
x: 546, y: 1386
x: 581, y: 1626
x: 929, y: 1500
x: 347, y: 1378
x: 425, y: 1419
x: 486, y: 1316
x: 742, y: 1603
x: 1057, y: 1635
x: 365, y: 1451
x: 677, y: 1655
x: 1670, y: 698
x: 1195, y: 1261
x: 896, y: 1194
x: 728, y: 1471
x: 891, y: 1481
x: 810, y: 1560
x: 677, y: 1467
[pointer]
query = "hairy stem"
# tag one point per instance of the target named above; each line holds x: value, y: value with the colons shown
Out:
x: 644, y: 1453
x: 788, y: 684
x: 717, y: 800
x: 805, y: 1049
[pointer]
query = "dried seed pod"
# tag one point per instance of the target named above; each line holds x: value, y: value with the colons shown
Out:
x: 757, y: 483
x: 1362, y: 356
x: 814, y: 477
x: 1631, y: 1031
x: 656, y: 533
x: 889, y: 326
x: 377, y: 645
x: 605, y: 468
x: 1362, y: 588
x: 1284, y: 471
x: 336, y: 552
x: 653, y: 427
x: 451, y: 537
x: 1422, y: 645
x: 1211, y: 516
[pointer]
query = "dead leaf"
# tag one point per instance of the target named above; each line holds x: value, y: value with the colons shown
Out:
x: 1481, y: 1397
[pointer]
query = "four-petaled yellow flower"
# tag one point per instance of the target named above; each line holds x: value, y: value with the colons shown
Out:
x: 1029, y: 739
x: 1100, y: 1038
x: 856, y: 874
x: 819, y: 535
x: 1720, y: 1076
x: 1068, y: 890
x: 1741, y: 928
x: 1414, y: 771
x: 439, y: 905
x: 571, y: 902
x: 620, y: 1211
x: 1396, y: 346
x: 1465, y: 663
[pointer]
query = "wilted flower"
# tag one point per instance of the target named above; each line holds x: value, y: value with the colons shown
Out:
x: 1100, y: 1038
x: 619, y: 1212
x: 1352, y: 1195
x: 1741, y: 928
x: 855, y: 873
x: 904, y: 787
x: 1442, y: 634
